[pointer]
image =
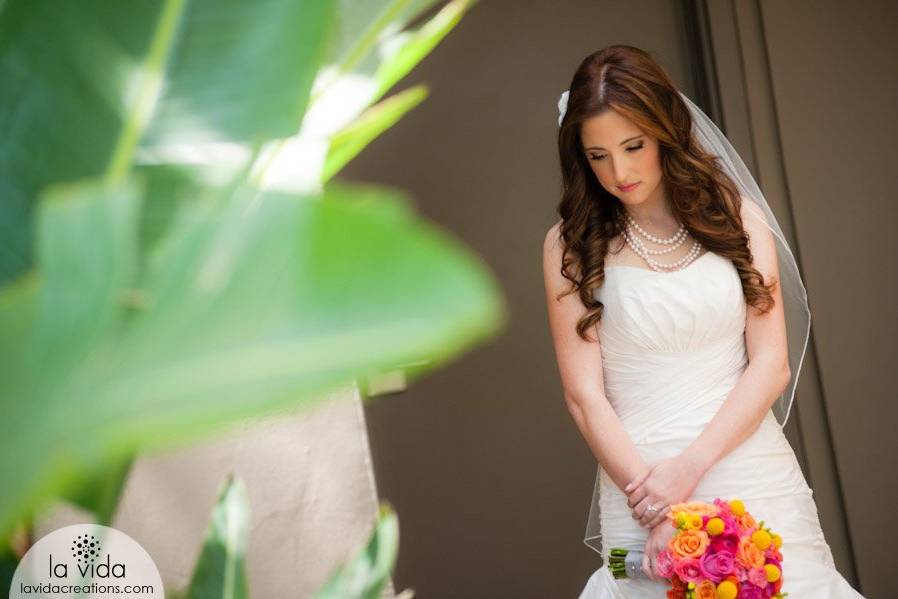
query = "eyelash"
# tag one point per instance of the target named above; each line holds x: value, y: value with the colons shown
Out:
x: 633, y: 149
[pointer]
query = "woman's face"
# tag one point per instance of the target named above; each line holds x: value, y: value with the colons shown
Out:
x: 621, y: 154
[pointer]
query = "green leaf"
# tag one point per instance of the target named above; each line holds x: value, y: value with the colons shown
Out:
x: 99, y: 493
x: 252, y: 302
x: 220, y: 569
x: 85, y: 82
x: 372, y: 52
x: 347, y: 144
x: 412, y: 47
x: 361, y: 25
x: 366, y: 574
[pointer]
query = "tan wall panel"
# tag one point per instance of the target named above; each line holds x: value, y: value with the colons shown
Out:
x: 833, y: 68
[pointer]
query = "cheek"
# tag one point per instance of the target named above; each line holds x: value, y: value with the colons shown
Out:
x: 650, y: 163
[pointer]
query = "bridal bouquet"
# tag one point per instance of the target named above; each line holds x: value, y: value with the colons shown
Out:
x: 717, y: 551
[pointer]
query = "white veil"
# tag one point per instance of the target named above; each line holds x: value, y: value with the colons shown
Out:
x: 795, y: 299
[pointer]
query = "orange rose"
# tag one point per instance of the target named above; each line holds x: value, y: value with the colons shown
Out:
x: 691, y: 543
x: 748, y: 554
x: 746, y: 521
x: 695, y: 507
x: 706, y: 590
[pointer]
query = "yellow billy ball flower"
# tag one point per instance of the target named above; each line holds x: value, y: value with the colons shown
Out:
x: 726, y: 590
x: 773, y: 573
x: 681, y: 519
x: 777, y: 540
x: 738, y: 507
x: 695, y: 521
x: 715, y: 526
x: 761, y: 539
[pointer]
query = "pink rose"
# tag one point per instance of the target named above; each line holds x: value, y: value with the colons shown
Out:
x: 688, y: 569
x: 723, y: 508
x: 758, y: 577
x: 750, y: 591
x: 664, y: 564
x: 730, y: 525
x: 725, y: 542
x: 741, y: 572
x: 717, y: 566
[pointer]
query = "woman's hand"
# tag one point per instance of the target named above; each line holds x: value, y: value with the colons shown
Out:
x: 657, y: 541
x: 670, y: 481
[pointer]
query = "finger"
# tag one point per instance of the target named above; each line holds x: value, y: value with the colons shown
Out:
x: 636, y: 496
x: 637, y: 481
x: 645, y: 519
x: 639, y: 508
x: 647, y: 516
x: 652, y: 519
x: 639, y: 512
x: 661, y: 518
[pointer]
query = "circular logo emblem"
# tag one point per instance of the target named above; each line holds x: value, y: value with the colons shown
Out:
x: 86, y: 560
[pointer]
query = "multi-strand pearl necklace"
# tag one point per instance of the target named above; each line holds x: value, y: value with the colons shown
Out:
x: 646, y: 254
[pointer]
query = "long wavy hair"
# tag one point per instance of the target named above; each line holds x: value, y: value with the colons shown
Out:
x: 702, y: 196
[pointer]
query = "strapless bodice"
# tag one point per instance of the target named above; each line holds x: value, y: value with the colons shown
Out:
x: 670, y: 341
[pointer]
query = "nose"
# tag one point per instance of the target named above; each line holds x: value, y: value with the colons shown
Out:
x: 617, y: 170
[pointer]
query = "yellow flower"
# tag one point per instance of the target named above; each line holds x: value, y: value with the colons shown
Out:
x: 737, y: 506
x: 726, y: 590
x: 762, y: 539
x: 773, y: 573
x: 695, y: 521
x: 678, y: 519
x: 777, y: 540
x: 715, y: 526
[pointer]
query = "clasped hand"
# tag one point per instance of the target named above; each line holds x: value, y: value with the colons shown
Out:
x: 670, y: 481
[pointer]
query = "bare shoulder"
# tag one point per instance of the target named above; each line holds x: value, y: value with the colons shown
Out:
x: 553, y: 248
x: 553, y: 238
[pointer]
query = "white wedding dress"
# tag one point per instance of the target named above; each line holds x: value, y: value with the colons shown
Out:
x: 673, y: 347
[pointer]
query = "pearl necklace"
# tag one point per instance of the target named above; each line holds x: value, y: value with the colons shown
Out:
x: 681, y: 235
x: 650, y: 237
x: 645, y: 253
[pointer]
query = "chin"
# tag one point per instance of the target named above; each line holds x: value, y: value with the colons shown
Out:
x: 631, y: 201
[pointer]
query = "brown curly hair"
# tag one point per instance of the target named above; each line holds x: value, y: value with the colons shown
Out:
x: 702, y: 196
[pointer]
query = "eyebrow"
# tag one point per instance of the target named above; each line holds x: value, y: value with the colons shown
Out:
x: 620, y: 144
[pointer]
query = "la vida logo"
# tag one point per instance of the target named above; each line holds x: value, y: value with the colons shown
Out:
x: 86, y: 551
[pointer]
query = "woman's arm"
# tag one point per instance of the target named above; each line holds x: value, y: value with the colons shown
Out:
x: 580, y: 365
x: 767, y: 373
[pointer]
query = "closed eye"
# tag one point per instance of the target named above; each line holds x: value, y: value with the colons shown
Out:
x: 630, y: 149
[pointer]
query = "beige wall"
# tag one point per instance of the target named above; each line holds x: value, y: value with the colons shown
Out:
x: 833, y: 72
x: 489, y: 475
x: 311, y: 492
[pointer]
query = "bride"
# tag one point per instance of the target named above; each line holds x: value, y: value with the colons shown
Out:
x: 701, y: 323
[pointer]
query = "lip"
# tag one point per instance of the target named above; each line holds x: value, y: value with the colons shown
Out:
x: 629, y: 188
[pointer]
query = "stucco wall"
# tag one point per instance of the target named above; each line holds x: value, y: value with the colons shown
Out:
x: 311, y: 490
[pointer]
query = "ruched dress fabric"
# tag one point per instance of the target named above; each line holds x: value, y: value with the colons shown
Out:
x: 673, y: 347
